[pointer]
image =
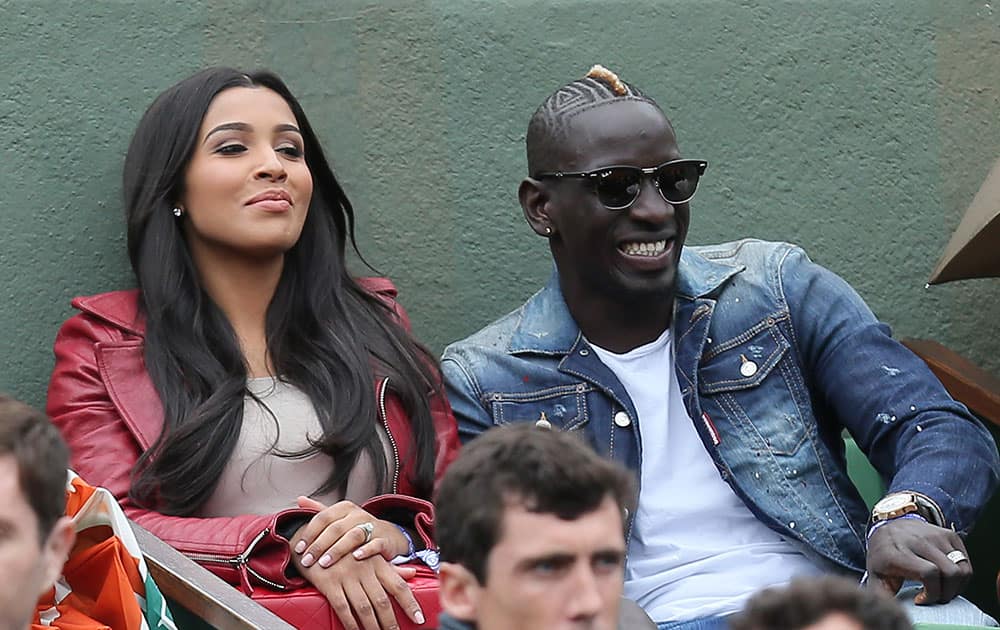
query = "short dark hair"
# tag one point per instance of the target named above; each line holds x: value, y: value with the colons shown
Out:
x: 42, y: 459
x: 805, y: 601
x: 549, y: 125
x: 545, y: 471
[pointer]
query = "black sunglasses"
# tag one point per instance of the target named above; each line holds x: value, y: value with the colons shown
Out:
x: 618, y: 187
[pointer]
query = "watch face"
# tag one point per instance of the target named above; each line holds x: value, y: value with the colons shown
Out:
x: 894, y: 502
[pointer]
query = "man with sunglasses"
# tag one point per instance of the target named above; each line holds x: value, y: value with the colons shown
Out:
x: 724, y: 377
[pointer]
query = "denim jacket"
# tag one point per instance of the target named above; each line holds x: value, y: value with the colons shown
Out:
x: 775, y: 356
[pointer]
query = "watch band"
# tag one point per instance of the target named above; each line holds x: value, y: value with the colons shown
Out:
x: 918, y: 503
x: 929, y: 509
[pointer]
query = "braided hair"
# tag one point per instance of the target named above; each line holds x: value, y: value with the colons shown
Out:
x: 549, y: 126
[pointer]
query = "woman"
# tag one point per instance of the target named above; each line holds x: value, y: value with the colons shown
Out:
x: 251, y: 403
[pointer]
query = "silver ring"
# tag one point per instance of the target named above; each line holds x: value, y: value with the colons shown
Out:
x: 369, y: 528
x: 957, y: 556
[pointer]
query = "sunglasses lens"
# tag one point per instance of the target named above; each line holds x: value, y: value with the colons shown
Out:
x: 617, y: 188
x: 678, y: 181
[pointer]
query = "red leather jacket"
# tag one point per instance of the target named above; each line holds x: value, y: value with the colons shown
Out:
x: 106, y: 407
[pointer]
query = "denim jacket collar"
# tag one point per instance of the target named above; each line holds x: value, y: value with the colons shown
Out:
x: 547, y: 327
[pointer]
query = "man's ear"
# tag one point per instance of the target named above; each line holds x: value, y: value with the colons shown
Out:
x: 535, y: 204
x: 56, y: 550
x: 459, y: 591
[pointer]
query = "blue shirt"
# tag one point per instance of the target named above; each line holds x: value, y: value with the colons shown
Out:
x: 822, y: 363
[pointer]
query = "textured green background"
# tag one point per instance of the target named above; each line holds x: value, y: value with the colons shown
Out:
x: 858, y: 129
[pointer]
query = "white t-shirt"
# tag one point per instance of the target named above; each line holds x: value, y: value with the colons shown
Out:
x: 696, y: 549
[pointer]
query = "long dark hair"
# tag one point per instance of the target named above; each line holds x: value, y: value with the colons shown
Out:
x: 325, y: 334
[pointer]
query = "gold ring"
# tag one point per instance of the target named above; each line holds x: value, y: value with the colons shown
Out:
x: 957, y: 556
x: 369, y: 528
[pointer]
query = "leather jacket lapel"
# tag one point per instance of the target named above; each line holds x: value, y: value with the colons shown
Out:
x: 124, y: 373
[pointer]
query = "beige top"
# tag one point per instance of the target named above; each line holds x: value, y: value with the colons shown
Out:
x: 260, y: 477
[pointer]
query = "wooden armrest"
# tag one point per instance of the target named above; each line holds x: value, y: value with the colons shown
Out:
x: 968, y: 383
x: 200, y: 591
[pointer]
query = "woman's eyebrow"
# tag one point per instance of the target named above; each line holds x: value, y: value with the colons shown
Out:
x: 237, y: 126
x: 241, y: 126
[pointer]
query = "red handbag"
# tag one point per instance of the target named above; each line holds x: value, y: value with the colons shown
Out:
x: 308, y: 608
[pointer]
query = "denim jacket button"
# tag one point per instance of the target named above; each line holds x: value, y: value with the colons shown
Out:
x: 543, y: 424
x: 748, y: 368
x: 622, y: 419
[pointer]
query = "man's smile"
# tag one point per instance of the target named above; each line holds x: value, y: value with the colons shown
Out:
x: 644, y: 248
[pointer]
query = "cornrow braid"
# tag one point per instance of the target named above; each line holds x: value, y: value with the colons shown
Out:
x: 549, y: 126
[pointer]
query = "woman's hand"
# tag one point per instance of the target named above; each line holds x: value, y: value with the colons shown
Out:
x: 359, y: 590
x: 334, y: 532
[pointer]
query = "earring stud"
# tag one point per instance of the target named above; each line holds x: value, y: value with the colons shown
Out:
x: 548, y: 230
x: 178, y: 212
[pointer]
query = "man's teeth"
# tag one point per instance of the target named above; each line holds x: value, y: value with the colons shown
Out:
x: 644, y: 249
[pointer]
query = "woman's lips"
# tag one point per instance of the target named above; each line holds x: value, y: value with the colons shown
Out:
x: 272, y: 205
x: 271, y: 200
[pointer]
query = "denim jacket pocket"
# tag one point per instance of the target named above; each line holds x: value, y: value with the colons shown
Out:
x: 743, y: 362
x: 564, y: 406
x: 744, y: 377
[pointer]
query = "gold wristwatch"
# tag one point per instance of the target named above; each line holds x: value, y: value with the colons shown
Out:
x: 901, y: 503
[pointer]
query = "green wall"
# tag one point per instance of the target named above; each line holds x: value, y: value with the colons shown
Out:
x: 859, y: 129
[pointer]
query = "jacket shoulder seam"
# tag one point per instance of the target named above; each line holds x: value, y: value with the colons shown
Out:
x: 473, y: 382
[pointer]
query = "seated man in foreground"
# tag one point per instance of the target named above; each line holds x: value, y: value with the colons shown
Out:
x: 530, y: 525
x: 722, y: 376
x: 35, y: 536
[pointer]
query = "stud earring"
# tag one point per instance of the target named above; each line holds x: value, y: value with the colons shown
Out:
x: 548, y: 231
x: 178, y: 212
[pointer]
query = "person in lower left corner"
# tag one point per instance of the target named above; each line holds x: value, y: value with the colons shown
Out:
x: 35, y: 536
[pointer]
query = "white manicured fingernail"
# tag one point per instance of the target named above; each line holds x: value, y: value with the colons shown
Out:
x: 300, y: 546
x: 325, y: 561
x: 357, y: 554
x: 420, y: 617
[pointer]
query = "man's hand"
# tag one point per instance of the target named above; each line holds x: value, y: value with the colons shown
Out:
x: 912, y: 549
